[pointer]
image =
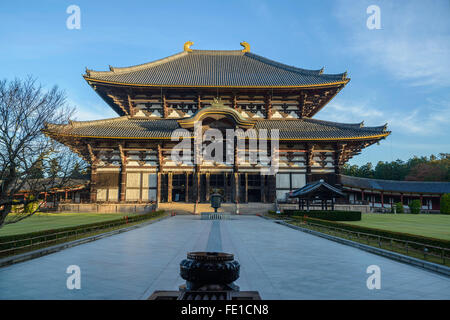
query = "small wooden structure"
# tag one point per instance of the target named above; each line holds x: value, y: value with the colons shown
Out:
x: 317, y: 191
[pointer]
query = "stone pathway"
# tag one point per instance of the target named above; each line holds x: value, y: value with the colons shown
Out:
x: 279, y: 262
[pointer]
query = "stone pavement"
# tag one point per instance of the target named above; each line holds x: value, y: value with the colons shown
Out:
x: 279, y: 262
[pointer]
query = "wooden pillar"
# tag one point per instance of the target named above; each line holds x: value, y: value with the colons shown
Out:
x: 263, y: 189
x: 199, y: 102
x: 186, y: 196
x: 421, y: 201
x: 362, y: 195
x: 236, y: 187
x: 93, y: 191
x: 197, y: 186
x: 207, y: 186
x: 337, y: 169
x: 123, y: 183
x: 169, y: 187
x: 382, y: 199
x: 123, y: 175
x: 268, y: 107
x: 165, y: 108
x: 225, y: 189
x: 246, y: 187
x: 302, y: 104
x: 309, y: 156
x: 401, y: 198
x: 158, y: 188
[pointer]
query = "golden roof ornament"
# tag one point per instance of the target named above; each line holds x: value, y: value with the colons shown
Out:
x: 246, y: 46
x: 217, y: 102
x: 187, y: 46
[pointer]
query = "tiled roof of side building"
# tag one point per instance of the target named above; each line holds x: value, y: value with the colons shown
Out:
x: 311, y: 187
x: 396, y: 186
x: 206, y: 68
x: 128, y: 127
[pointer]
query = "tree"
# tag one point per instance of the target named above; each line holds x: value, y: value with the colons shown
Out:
x: 366, y: 171
x: 427, y: 172
x: 37, y: 172
x: 79, y: 170
x: 434, y: 168
x: 27, y: 156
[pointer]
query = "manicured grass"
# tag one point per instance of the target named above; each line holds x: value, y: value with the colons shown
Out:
x: 47, y: 221
x: 428, y: 225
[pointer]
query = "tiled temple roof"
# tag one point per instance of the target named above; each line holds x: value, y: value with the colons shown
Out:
x: 207, y: 68
x: 311, y: 189
x: 395, y: 186
x: 140, y: 128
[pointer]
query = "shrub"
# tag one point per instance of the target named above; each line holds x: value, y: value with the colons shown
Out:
x: 32, y: 206
x: 399, y: 207
x: 415, y: 206
x: 445, y: 203
x: 335, y: 215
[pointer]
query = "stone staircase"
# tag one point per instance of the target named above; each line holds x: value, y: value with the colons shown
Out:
x: 251, y: 208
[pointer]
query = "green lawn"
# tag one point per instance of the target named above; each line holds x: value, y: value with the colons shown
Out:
x: 428, y: 225
x: 45, y: 221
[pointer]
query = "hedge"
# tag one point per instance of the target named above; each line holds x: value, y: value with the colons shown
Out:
x: 445, y: 203
x: 380, y: 232
x: 336, y: 215
x: 72, y: 230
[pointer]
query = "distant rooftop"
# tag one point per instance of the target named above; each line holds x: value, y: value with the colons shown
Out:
x: 396, y: 186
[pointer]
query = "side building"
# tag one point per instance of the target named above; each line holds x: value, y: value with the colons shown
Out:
x: 381, y: 195
x: 130, y: 155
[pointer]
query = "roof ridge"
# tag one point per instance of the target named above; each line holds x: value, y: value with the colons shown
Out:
x: 359, y: 125
x: 75, y: 123
x: 200, y: 51
x: 121, y: 70
x: 318, y: 72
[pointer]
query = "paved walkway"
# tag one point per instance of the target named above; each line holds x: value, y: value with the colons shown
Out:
x: 279, y: 262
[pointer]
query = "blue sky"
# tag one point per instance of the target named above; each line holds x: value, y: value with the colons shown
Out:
x: 400, y: 74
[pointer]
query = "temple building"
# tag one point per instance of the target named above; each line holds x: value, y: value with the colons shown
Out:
x: 130, y: 155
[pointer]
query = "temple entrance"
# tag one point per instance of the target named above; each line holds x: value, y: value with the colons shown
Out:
x: 179, y: 187
x: 254, y: 188
x: 254, y: 195
x: 217, y: 182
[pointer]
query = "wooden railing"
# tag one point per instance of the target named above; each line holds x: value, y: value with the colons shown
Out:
x: 411, y: 248
x: 29, y: 243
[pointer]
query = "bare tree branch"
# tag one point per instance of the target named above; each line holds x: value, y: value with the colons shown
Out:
x: 25, y: 108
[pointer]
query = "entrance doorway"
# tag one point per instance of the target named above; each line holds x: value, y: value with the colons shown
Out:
x: 254, y: 195
x: 178, y: 187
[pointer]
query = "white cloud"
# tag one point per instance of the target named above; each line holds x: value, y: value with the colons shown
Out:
x: 413, y: 44
x: 88, y: 111
x: 415, y: 121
